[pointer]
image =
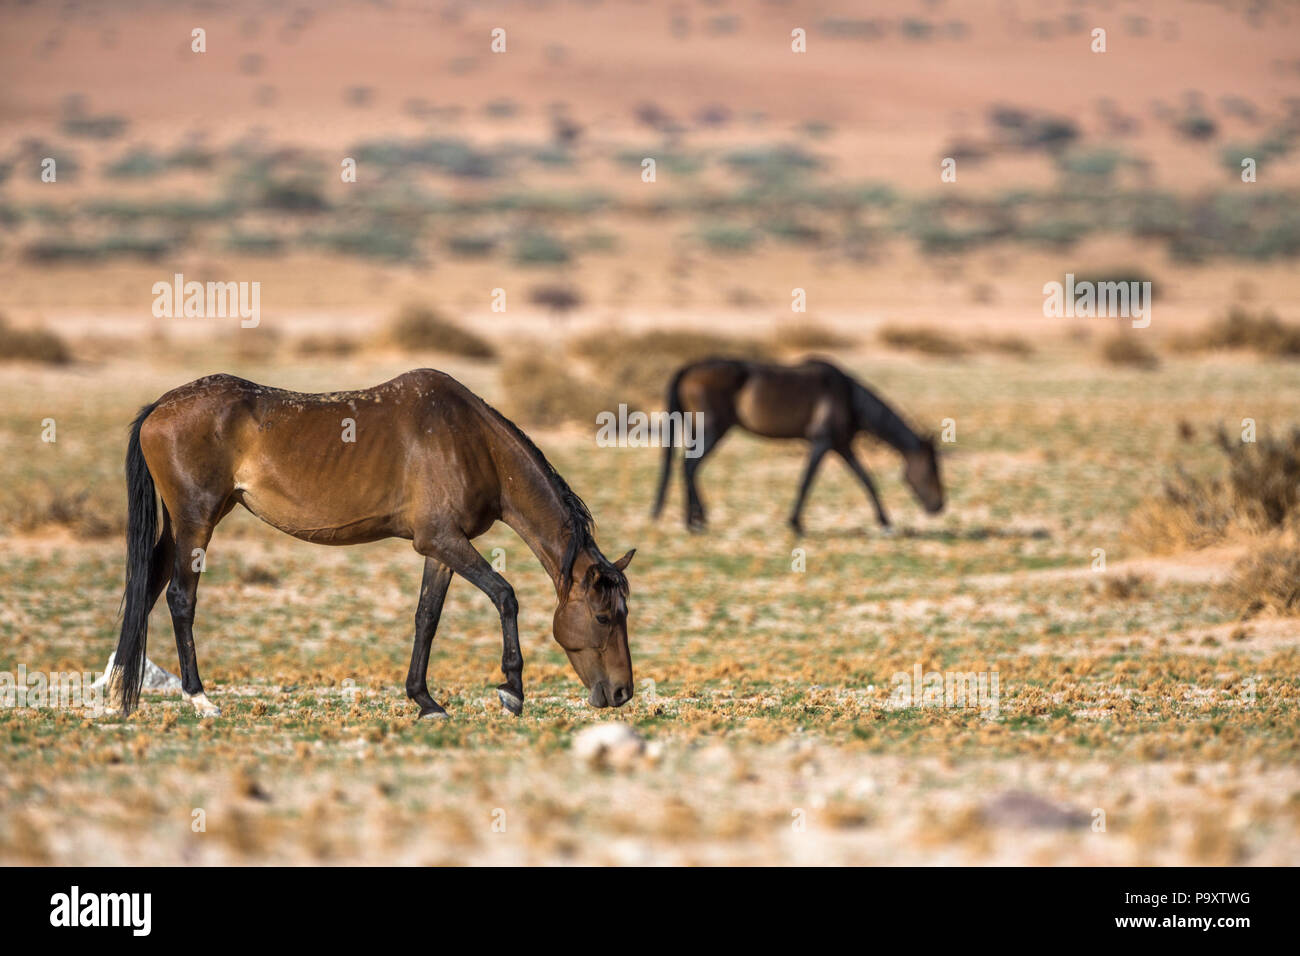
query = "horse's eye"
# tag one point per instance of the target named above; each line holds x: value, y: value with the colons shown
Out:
x: 602, y: 618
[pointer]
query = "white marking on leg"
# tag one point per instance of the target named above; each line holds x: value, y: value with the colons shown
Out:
x: 203, y: 706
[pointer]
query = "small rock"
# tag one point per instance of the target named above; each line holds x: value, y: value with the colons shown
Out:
x: 1016, y: 808
x: 611, y: 745
x: 155, y: 678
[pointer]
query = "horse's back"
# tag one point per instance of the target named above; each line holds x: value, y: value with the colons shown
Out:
x: 765, y: 398
x: 334, y: 467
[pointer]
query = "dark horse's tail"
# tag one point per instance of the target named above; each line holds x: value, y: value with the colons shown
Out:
x: 141, y: 536
x: 674, y: 401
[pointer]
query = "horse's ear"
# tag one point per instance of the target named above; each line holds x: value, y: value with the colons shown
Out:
x: 624, y: 561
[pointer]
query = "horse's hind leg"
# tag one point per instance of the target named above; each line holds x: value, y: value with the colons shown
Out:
x: 711, y: 434
x: 191, y: 543
x: 433, y: 589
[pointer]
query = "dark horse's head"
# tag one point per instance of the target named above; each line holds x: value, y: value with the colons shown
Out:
x: 921, y: 472
x: 591, y: 626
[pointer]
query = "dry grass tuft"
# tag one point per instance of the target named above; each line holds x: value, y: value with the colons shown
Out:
x: 807, y: 335
x: 1129, y: 586
x: 1128, y: 350
x: 1262, y: 332
x: 543, y: 391
x: 32, y: 345
x: 1260, y: 493
x: 328, y: 346
x: 1266, y: 581
x: 930, y: 341
x: 418, y: 328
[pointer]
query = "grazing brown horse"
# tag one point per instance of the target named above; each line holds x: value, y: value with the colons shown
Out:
x: 814, y: 401
x: 420, y: 458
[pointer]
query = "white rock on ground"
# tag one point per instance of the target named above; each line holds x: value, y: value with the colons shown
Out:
x: 155, y: 678
x: 611, y: 745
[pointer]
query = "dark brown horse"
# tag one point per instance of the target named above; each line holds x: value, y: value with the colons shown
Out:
x: 420, y: 458
x: 814, y: 401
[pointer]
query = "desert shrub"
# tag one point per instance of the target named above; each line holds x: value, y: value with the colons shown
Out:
x: 32, y: 345
x: 558, y: 299
x: 79, y: 509
x: 1006, y: 344
x: 1259, y: 493
x: 332, y: 345
x: 1263, y: 332
x: 471, y: 245
x: 545, y: 391
x: 540, y: 248
x: 807, y: 335
x: 1267, y: 580
x: 930, y: 341
x: 727, y: 238
x: 418, y: 328
x: 1127, y: 350
x: 1129, y: 586
x: 642, y: 364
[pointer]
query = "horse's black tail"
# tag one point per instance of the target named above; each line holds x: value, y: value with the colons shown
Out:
x: 141, y: 537
x: 674, y: 401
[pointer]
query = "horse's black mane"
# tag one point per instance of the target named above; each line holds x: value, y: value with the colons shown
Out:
x: 581, y: 523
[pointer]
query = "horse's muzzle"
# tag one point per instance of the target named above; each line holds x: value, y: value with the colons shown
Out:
x: 605, y: 695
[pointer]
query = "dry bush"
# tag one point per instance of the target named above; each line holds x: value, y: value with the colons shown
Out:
x: 1260, y: 493
x: 543, y: 391
x: 642, y: 364
x: 1266, y: 580
x: 1007, y: 344
x: 931, y: 341
x: 32, y: 345
x: 1264, y: 333
x: 334, y: 346
x: 1128, y: 350
x: 38, y: 508
x: 1129, y: 586
x: 804, y: 336
x: 418, y: 328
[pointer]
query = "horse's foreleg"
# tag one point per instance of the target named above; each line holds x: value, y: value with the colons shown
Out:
x: 433, y: 589
x: 820, y: 447
x: 864, y: 476
x: 458, y: 553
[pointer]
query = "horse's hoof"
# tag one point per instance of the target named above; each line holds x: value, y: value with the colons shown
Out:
x: 434, y: 713
x: 204, y: 707
x: 510, y: 700
x: 888, y: 531
x: 796, y: 527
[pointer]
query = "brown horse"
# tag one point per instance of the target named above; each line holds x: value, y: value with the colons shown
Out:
x: 814, y: 401
x: 420, y: 458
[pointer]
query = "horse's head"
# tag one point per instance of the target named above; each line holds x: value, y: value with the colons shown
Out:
x: 591, y: 626
x: 921, y: 472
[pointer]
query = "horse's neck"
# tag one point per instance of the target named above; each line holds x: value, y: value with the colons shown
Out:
x: 882, y: 421
x: 533, y: 509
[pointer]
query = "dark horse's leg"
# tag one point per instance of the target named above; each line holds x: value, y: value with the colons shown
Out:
x: 820, y: 446
x: 182, y: 597
x: 845, y: 451
x: 452, y: 548
x: 433, y: 589
x: 714, y: 428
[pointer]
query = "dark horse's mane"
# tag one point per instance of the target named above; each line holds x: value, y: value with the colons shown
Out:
x: 581, y: 524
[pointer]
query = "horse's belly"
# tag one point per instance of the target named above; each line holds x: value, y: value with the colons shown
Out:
x: 765, y: 412
x: 332, y: 520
